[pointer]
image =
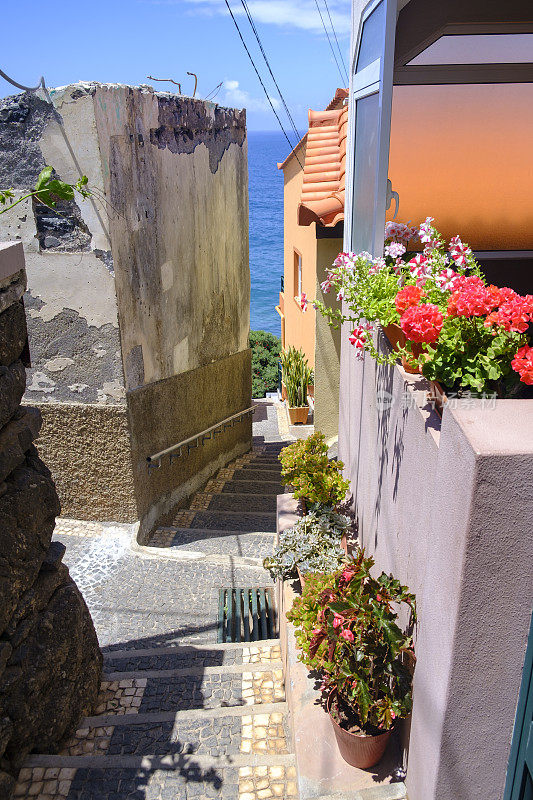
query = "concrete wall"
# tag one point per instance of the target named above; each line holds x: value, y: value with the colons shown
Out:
x: 446, y: 507
x: 299, y: 325
x: 146, y: 283
x: 327, y: 348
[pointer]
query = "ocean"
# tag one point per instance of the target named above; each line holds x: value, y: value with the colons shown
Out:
x: 265, y: 150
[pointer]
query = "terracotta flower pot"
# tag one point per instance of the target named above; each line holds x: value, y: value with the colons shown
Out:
x: 411, y: 367
x: 397, y: 339
x: 311, y: 390
x: 358, y: 749
x: 437, y: 395
x: 395, y: 335
x: 301, y: 577
x: 298, y: 415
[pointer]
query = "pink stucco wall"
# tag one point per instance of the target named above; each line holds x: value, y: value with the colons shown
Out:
x: 448, y: 508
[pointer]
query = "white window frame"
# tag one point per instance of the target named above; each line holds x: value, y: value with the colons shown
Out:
x: 375, y: 78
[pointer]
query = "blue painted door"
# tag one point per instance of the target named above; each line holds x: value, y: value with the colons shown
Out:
x: 519, y: 783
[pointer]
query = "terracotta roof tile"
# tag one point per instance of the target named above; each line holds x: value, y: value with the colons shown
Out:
x: 322, y: 199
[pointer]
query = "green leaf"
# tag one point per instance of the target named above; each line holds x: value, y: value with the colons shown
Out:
x: 43, y: 178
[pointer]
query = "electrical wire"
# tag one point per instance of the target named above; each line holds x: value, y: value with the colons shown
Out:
x: 329, y: 40
x: 213, y: 93
x: 261, y: 82
x: 338, y: 46
x: 252, y: 24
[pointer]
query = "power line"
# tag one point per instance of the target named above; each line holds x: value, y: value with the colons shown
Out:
x: 261, y: 80
x: 252, y: 24
x: 329, y: 40
x: 337, y: 41
x: 213, y: 93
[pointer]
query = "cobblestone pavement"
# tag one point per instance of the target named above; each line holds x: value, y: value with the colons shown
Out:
x: 179, y: 716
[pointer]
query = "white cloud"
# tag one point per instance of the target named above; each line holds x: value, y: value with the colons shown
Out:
x: 301, y: 14
x: 234, y: 96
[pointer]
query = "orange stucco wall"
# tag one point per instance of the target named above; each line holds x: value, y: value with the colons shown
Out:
x: 463, y: 155
x: 299, y: 325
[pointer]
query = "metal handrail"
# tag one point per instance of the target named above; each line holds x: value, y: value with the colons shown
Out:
x: 154, y: 462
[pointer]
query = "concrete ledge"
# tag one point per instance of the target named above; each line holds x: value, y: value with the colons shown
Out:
x: 322, y: 772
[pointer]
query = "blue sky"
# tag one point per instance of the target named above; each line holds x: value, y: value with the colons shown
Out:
x: 125, y: 40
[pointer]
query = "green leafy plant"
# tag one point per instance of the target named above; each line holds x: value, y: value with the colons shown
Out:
x: 312, y: 475
x: 48, y: 190
x: 313, y: 544
x: 347, y: 629
x: 297, y: 376
x: 265, y: 359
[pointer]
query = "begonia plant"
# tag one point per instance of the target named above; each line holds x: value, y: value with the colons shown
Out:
x: 346, y: 626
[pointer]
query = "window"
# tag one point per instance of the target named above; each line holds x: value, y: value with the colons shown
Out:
x: 297, y: 274
x: 488, y: 48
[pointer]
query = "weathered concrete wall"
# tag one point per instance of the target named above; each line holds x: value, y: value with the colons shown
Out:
x: 71, y: 301
x: 447, y: 508
x: 327, y: 348
x: 180, y: 407
x: 175, y: 172
x: 50, y: 662
x: 145, y: 281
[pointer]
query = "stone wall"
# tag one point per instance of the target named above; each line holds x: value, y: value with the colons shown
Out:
x: 50, y: 662
x: 142, y: 284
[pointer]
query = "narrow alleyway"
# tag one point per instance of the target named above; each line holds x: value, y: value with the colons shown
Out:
x: 181, y: 716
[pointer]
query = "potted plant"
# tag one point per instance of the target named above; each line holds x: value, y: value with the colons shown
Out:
x: 313, y: 544
x: 314, y: 478
x: 296, y: 375
x: 467, y: 337
x: 346, y: 626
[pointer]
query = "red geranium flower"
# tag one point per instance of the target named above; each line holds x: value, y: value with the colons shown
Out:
x: 409, y: 296
x: 422, y: 323
x: 523, y: 364
x: 347, y: 634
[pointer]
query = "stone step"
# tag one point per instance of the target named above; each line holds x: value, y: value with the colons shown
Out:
x: 213, y: 542
x: 391, y: 791
x: 253, y: 474
x: 160, y: 690
x: 182, y: 777
x: 252, y: 487
x: 200, y: 653
x: 238, y: 501
x: 217, y: 732
x: 245, y: 521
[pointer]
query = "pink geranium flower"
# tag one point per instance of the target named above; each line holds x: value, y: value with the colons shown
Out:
x: 337, y: 620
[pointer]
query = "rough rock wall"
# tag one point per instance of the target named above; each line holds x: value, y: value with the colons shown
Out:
x: 50, y: 662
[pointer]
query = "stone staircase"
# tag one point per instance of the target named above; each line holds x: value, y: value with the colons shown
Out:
x: 180, y: 715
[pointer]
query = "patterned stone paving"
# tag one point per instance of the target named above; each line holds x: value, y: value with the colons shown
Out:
x: 261, y: 783
x: 263, y: 734
x: 44, y: 784
x: 246, y: 545
x: 121, y: 697
x: 118, y: 585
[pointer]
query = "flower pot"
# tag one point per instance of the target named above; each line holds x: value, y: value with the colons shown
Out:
x: 359, y: 749
x: 301, y: 577
x: 411, y: 367
x: 437, y: 396
x: 283, y: 392
x: 395, y: 335
x: 298, y: 415
x: 310, y: 390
